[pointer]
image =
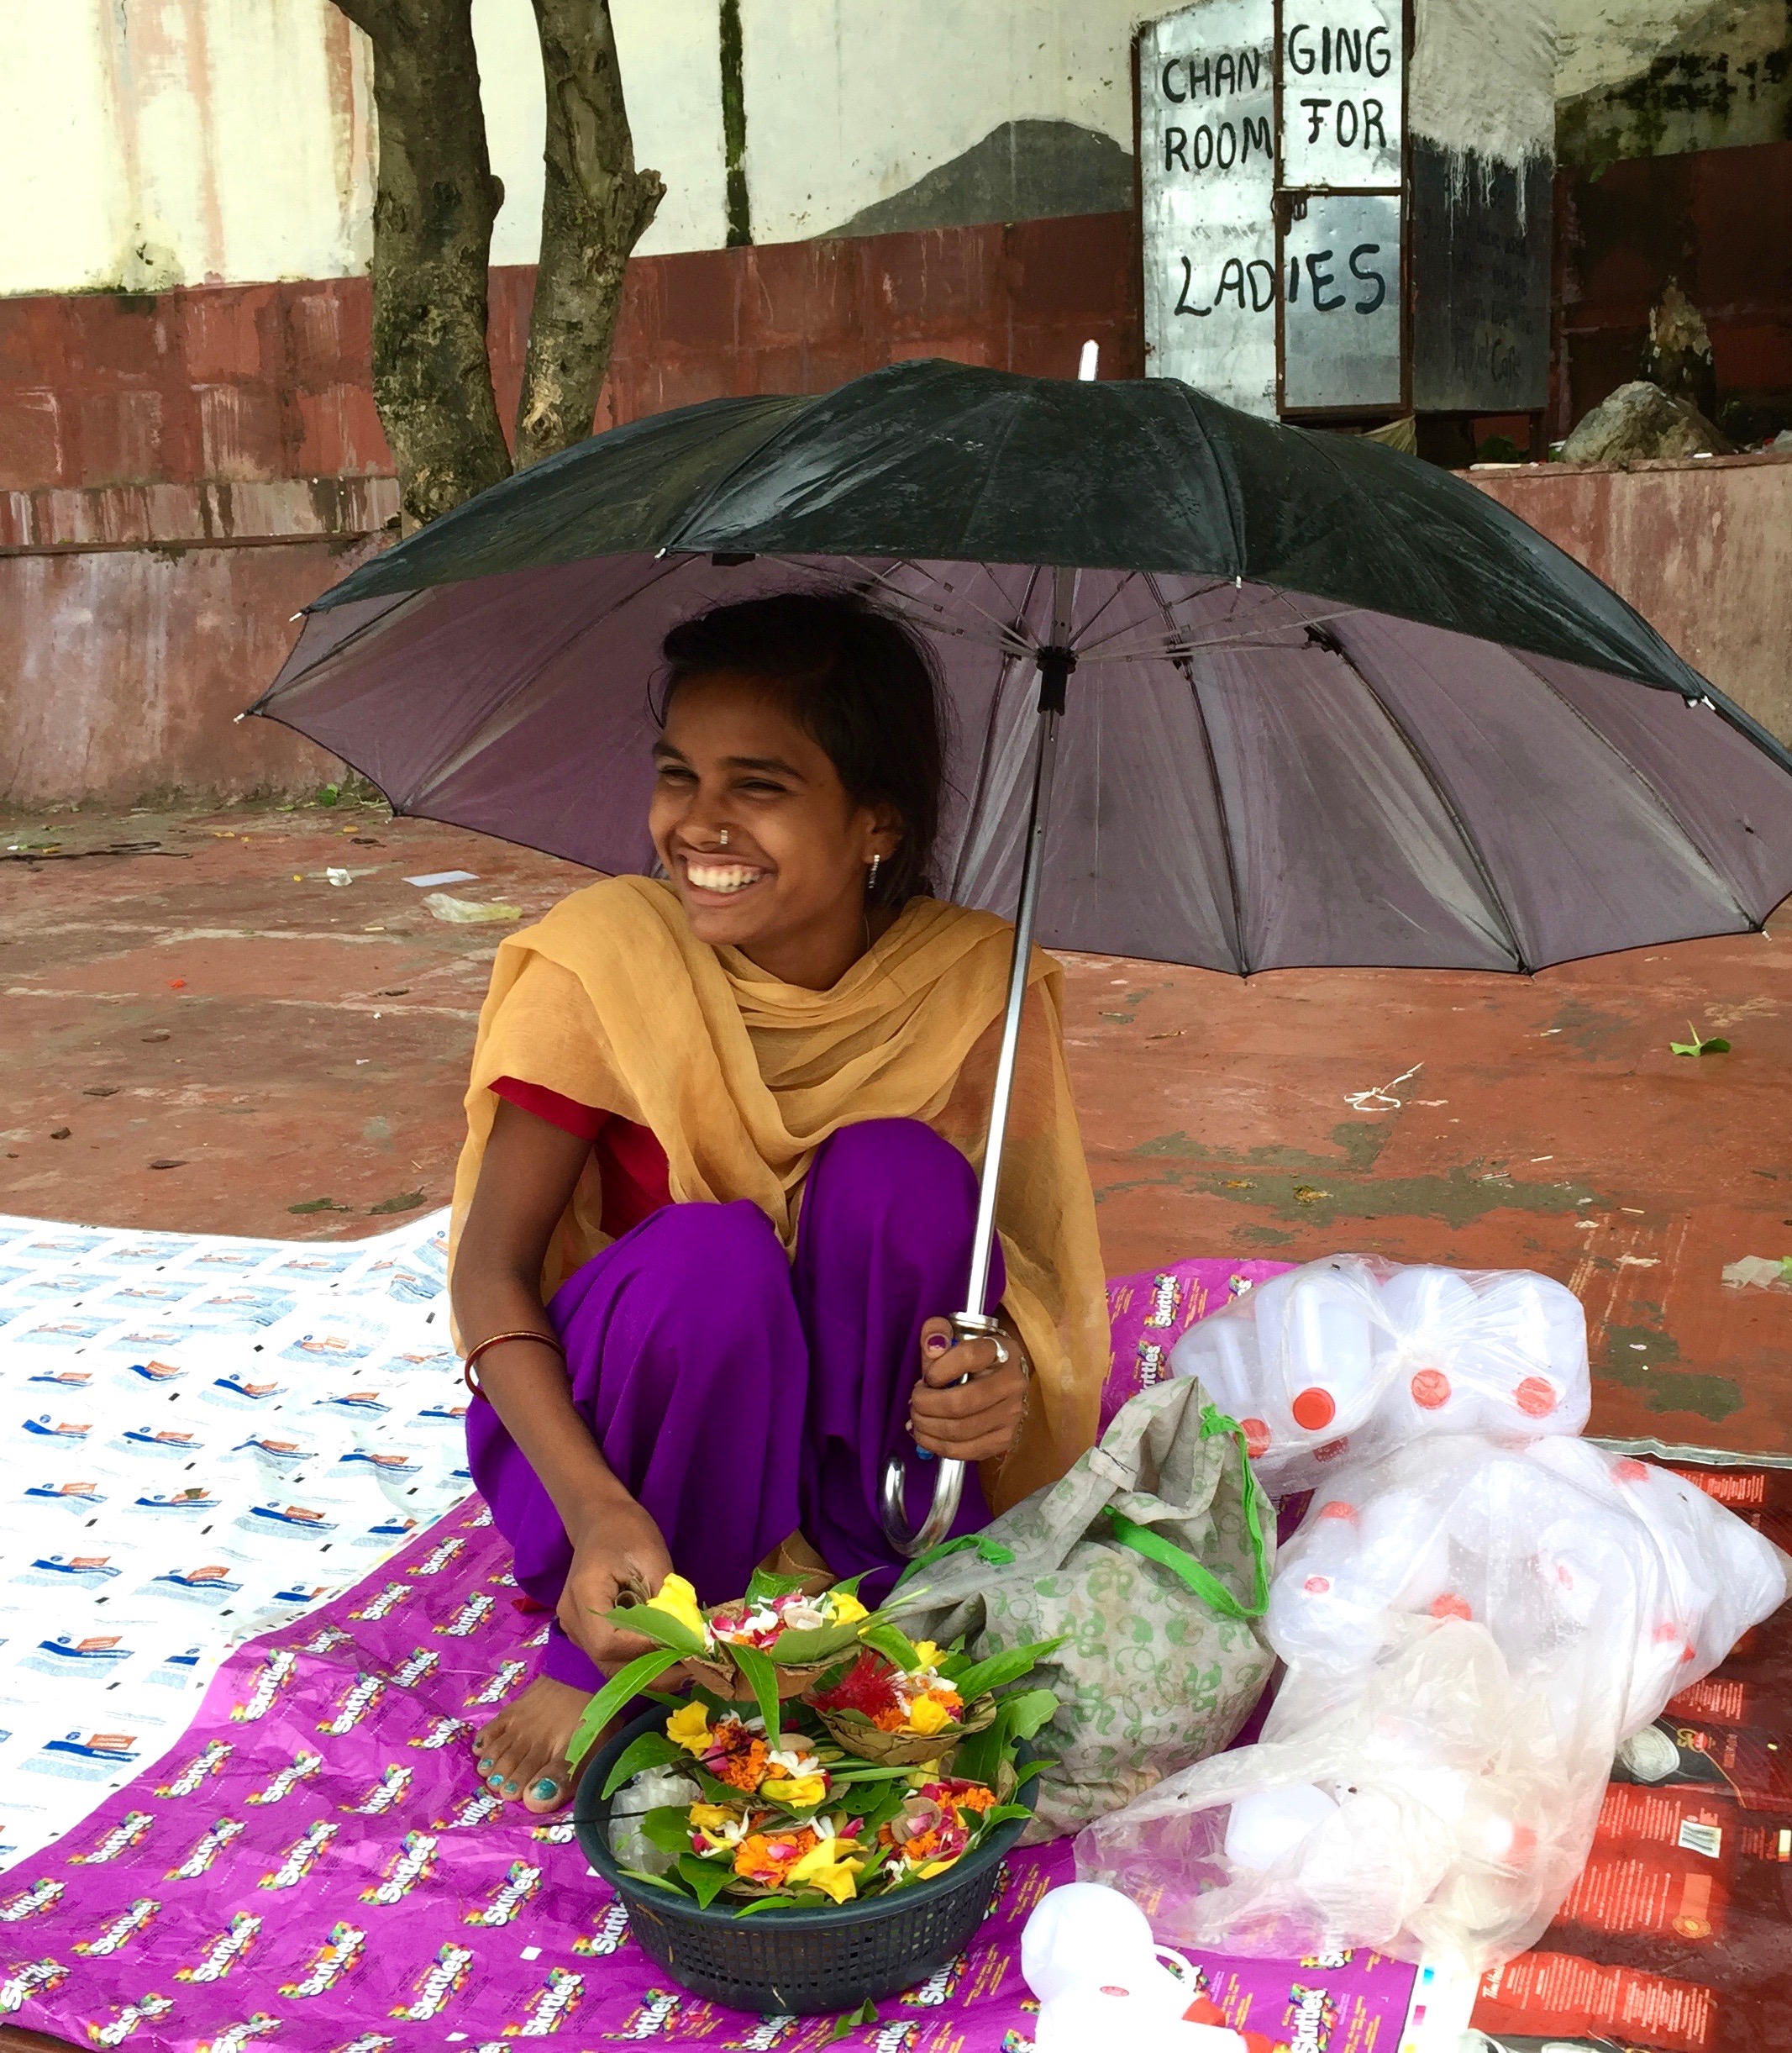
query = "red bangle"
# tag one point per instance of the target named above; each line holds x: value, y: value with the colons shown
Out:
x: 495, y: 1339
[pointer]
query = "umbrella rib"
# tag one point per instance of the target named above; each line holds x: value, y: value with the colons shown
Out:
x: 985, y: 754
x: 1514, y: 946
x: 1187, y: 668
x: 1646, y: 781
x: 1005, y: 637
x: 400, y: 600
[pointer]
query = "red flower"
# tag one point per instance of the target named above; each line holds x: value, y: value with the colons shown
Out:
x: 868, y: 1687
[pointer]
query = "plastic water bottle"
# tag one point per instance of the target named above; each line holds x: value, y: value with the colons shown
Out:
x: 1088, y: 1955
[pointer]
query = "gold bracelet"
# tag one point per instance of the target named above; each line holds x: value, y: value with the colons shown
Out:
x: 521, y: 1333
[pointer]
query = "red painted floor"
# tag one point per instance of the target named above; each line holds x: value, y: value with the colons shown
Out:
x: 216, y: 1003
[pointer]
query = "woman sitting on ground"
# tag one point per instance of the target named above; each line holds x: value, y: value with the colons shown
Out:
x: 724, y: 1124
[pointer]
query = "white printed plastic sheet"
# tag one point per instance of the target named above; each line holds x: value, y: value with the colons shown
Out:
x: 205, y: 1438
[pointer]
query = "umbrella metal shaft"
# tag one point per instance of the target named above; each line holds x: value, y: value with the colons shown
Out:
x: 1054, y: 664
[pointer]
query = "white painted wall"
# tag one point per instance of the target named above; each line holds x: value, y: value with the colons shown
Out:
x: 146, y: 144
x: 150, y: 143
x: 850, y: 102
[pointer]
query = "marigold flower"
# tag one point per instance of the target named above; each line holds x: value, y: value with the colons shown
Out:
x: 768, y: 1857
x: 743, y: 1770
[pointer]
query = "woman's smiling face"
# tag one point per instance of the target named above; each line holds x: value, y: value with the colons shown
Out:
x: 788, y: 886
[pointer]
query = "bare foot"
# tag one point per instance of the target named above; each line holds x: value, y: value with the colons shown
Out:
x: 522, y: 1752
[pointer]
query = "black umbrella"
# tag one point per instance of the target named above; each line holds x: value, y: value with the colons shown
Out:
x: 1329, y: 705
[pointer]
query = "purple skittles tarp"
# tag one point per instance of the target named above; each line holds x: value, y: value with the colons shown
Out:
x: 317, y: 1868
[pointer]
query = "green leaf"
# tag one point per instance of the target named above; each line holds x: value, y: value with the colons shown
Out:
x: 652, y: 1750
x: 707, y: 1878
x: 1698, y: 1047
x: 1025, y: 1773
x: 1715, y: 1047
x: 1028, y: 1713
x: 764, y: 1584
x: 762, y: 1679
x: 657, y: 1882
x: 667, y: 1827
x: 797, y: 1648
x: 1002, y: 1669
x: 779, y: 1900
x: 850, y: 2021
x: 894, y: 1646
x: 1002, y: 1813
x: 622, y: 1687
x: 660, y: 1625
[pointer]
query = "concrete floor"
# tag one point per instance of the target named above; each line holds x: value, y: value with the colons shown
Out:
x: 215, y: 1004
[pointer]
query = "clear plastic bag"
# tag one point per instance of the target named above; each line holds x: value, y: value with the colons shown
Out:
x: 1351, y: 1356
x: 1471, y: 1627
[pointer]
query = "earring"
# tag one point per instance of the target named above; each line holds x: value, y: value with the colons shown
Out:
x: 870, y: 882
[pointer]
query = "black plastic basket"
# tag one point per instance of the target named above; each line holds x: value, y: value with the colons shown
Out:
x: 797, y: 1963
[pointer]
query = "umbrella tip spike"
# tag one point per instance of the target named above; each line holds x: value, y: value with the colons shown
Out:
x: 1091, y: 356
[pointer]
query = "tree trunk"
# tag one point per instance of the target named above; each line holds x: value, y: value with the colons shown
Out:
x: 596, y: 206
x: 431, y: 245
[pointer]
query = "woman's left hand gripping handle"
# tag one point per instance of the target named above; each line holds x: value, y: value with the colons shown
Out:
x: 967, y: 1420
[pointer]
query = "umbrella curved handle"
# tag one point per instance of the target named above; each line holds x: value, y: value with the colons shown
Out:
x: 949, y: 1479
x: 949, y: 1486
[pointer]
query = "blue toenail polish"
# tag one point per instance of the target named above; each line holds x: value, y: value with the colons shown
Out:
x: 510, y: 1789
x: 496, y: 1781
x: 545, y: 1789
x: 485, y: 1767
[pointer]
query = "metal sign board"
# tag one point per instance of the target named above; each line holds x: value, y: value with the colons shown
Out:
x: 1207, y: 159
x: 1341, y: 324
x: 1274, y: 277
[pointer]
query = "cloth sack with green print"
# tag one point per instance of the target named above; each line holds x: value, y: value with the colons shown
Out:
x: 1152, y: 1559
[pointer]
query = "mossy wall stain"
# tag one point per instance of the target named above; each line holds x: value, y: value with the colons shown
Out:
x: 1725, y: 80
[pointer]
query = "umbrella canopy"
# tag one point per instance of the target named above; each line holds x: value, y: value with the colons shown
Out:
x: 1332, y: 706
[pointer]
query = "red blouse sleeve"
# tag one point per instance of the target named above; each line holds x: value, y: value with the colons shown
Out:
x: 586, y: 1121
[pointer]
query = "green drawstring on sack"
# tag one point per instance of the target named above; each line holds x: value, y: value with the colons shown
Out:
x: 991, y: 1552
x: 1183, y: 1564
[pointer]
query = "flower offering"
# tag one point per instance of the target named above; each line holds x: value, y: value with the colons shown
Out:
x: 889, y: 1764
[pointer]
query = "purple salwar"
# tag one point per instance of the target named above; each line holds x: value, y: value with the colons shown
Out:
x: 738, y: 1395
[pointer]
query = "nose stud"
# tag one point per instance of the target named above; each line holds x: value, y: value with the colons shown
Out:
x: 721, y: 839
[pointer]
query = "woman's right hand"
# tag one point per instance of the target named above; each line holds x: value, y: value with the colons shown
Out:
x: 621, y: 1553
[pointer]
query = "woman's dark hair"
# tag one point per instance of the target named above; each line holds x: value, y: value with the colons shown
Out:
x: 859, y: 682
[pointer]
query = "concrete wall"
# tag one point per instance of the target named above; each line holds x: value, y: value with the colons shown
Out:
x: 1700, y: 546
x: 137, y: 618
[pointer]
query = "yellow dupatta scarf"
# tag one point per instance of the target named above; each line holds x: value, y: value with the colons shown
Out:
x: 610, y: 1000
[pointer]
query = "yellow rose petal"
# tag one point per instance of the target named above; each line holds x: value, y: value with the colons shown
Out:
x: 801, y: 1793
x: 927, y: 1655
x: 688, y: 1728
x: 677, y: 1598
x: 927, y: 1714
x: 823, y: 1868
x: 846, y: 1608
x: 936, y: 1867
